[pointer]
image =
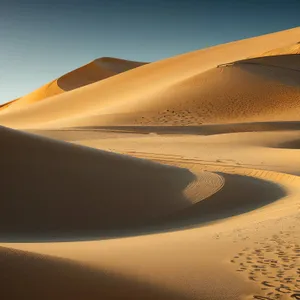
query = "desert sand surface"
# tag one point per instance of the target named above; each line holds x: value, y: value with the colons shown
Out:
x: 290, y: 49
x: 94, y: 71
x: 177, y: 179
x: 185, y: 89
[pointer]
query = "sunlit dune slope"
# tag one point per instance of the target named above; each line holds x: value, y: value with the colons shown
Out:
x: 5, y: 105
x: 49, y: 185
x: 92, y: 72
x: 97, y: 70
x: 185, y: 89
x: 246, y: 91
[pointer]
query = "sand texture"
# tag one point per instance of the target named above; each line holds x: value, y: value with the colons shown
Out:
x: 94, y: 71
x: 174, y: 180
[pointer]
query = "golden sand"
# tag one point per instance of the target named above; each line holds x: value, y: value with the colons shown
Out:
x: 179, y: 179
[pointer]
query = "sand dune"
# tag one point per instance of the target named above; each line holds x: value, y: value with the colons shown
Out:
x: 178, y: 179
x: 246, y: 91
x: 288, y: 62
x: 5, y: 105
x: 290, y: 49
x: 94, y: 71
x: 94, y: 190
x: 37, y: 276
x: 138, y: 90
x: 190, y: 262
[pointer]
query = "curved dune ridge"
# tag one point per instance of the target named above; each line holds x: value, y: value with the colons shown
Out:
x: 138, y: 91
x: 99, y: 69
x: 288, y: 62
x: 72, y: 188
x: 290, y: 49
x: 94, y: 71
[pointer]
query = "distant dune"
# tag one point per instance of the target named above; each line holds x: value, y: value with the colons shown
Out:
x: 92, y: 72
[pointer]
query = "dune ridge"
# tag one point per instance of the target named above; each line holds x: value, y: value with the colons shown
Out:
x: 290, y: 49
x: 132, y: 90
x: 94, y: 71
x: 84, y: 195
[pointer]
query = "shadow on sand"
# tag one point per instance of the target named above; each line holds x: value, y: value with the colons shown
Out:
x: 239, y: 195
x: 207, y: 129
x: 26, y: 275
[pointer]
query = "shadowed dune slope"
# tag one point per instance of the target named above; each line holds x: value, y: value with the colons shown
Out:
x: 291, y: 144
x: 162, y: 85
x: 97, y: 70
x: 290, y: 49
x: 284, y: 61
x: 40, y: 276
x: 50, y: 186
x: 92, y: 72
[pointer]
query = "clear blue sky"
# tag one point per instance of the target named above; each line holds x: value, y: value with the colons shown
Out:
x: 41, y: 40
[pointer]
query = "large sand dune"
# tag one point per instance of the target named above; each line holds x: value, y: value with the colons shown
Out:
x: 94, y: 71
x: 37, y: 277
x: 178, y: 179
x: 5, y: 105
x: 289, y: 49
x: 71, y: 188
x: 138, y: 90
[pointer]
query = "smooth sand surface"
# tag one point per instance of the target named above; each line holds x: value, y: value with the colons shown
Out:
x: 179, y: 179
x: 94, y: 71
x: 290, y: 49
x: 149, y: 90
x: 5, y: 105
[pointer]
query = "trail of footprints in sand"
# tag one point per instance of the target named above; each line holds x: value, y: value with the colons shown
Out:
x: 274, y: 264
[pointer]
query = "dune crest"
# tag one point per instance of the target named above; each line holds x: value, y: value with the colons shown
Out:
x: 94, y: 71
x: 291, y: 49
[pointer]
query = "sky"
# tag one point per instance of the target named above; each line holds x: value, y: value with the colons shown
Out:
x: 41, y: 40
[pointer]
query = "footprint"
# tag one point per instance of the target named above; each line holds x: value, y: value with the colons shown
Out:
x: 266, y: 283
x: 254, y: 278
x: 284, y: 290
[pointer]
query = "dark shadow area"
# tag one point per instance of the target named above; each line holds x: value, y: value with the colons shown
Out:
x: 289, y: 62
x: 26, y: 275
x: 295, y: 144
x: 282, y: 68
x: 239, y: 195
x: 207, y: 129
x: 51, y: 188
